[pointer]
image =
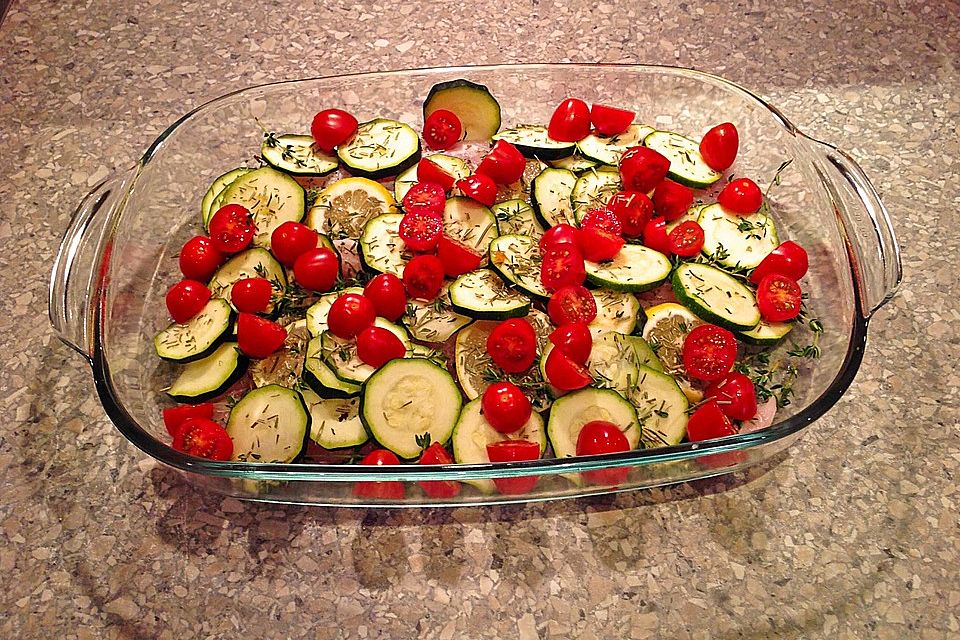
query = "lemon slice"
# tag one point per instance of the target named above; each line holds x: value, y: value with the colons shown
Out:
x: 344, y: 207
x: 667, y: 327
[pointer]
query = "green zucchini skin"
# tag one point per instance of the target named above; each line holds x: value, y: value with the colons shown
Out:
x: 478, y: 110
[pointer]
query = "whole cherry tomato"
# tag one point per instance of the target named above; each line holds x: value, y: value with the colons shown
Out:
x: 389, y: 490
x: 671, y: 200
x: 686, y: 239
x: 479, y: 187
x: 709, y: 422
x: 423, y: 277
x: 655, y: 236
x: 203, y: 438
x: 442, y: 129
x: 291, y: 239
x: 251, y: 295
x: 709, y: 352
x: 570, y: 121
x: 317, y: 269
x: 388, y: 296
x: 642, y: 169
x: 258, y: 337
x: 174, y: 417
x: 718, y: 147
x: 350, y: 314
x: 425, y: 197
x: 779, y: 298
x: 562, y: 265
x: 572, y: 303
x: 789, y: 259
x: 377, y: 346
x: 514, y: 451
x: 565, y: 373
x: 741, y: 196
x: 331, y: 128
x: 186, y: 299
x: 598, y: 437
x: 232, y: 228
x: 562, y: 233
x: 504, y: 164
x: 575, y: 340
x: 610, y: 121
x: 457, y: 258
x: 505, y: 407
x: 199, y: 259
x: 633, y: 209
x: 420, y: 230
x: 735, y: 395
x: 513, y: 345
x: 430, y: 171
x: 437, y: 454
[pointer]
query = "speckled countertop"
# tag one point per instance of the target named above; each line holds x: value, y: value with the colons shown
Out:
x: 853, y: 535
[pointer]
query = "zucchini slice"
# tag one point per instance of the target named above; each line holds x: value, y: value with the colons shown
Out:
x: 434, y: 321
x: 641, y: 352
x: 484, y: 295
x: 475, y: 106
x: 604, y: 150
x: 343, y: 208
x: 661, y: 408
x: 407, y: 401
x: 272, y: 197
x: 204, y: 379
x: 469, y: 222
x: 334, y: 423
x: 687, y: 166
x: 380, y: 148
x: 766, y: 334
x: 284, y: 367
x: 473, y: 433
x: 252, y: 263
x: 550, y: 196
x: 321, y: 378
x: 381, y: 248
x: 593, y: 189
x: 616, y: 311
x: 576, y: 409
x: 269, y: 424
x: 533, y: 142
x: 517, y: 217
x: 317, y: 313
x: 296, y: 155
x: 197, y: 338
x: 517, y: 260
x: 635, y: 268
x: 217, y: 188
x: 575, y: 163
x: 456, y: 167
x: 612, y: 362
x: 341, y: 355
x: 738, y: 242
x: 716, y: 296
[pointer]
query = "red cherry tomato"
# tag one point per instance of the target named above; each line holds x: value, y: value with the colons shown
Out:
x: 655, y: 236
x: 199, y: 259
x: 564, y: 373
x: 391, y: 490
x: 442, y: 129
x: 203, y: 438
x: 642, y: 169
x: 331, y: 128
x: 430, y: 171
x: 388, y: 296
x: 573, y: 303
x: 573, y: 339
x: 718, y: 147
x: 741, y: 196
x: 708, y: 422
x: 513, y: 345
x: 425, y: 197
x: 514, y: 451
x: 174, y: 417
x: 291, y: 239
x: 231, y: 228
x: 504, y: 164
x: 258, y: 337
x: 562, y: 265
x: 600, y: 245
x: 317, y: 269
x: 420, y: 230
x: 779, y: 298
x: 789, y: 259
x: 602, y: 219
x: 671, y: 200
x: 562, y: 233
x: 686, y: 239
x: 436, y: 454
x: 505, y: 407
x: 377, y: 346
x: 610, y: 121
x: 479, y: 187
x: 599, y: 437
x: 251, y: 295
x: 350, y: 314
x: 186, y: 299
x: 633, y: 209
x: 735, y: 395
x: 457, y: 258
x: 423, y: 277
x: 709, y: 352
x: 570, y: 121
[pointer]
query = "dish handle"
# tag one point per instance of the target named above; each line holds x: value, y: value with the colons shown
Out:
x: 872, y: 245
x: 82, y: 262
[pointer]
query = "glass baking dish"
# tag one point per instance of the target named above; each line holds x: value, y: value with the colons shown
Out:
x: 118, y: 256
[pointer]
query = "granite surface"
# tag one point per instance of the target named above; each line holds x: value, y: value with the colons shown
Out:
x: 854, y: 534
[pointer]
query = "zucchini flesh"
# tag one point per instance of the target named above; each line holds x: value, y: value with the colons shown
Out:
x: 321, y: 378
x: 716, y: 296
x: 334, y: 422
x: 575, y: 163
x: 604, y: 150
x: 766, y: 334
x: 204, y: 379
x: 550, y: 196
x: 252, y: 263
x: 343, y: 208
x: 517, y: 217
x: 381, y: 247
x: 380, y: 148
x: 576, y: 409
x: 612, y: 363
x: 475, y: 106
x: 272, y: 197
x: 284, y: 366
x: 456, y: 167
x: 593, y: 190
x: 661, y: 408
x: 198, y: 337
x: 471, y: 223
x: 687, y: 166
x: 434, y: 321
x: 533, y: 142
x: 738, y: 242
x: 517, y: 260
x: 296, y: 155
x: 635, y: 268
x: 217, y: 188
x: 269, y: 424
x: 616, y: 311
x: 483, y: 294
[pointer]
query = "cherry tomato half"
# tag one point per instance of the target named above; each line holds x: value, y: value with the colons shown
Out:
x: 633, y: 209
x: 423, y: 277
x: 709, y: 422
x: 513, y: 345
x: 575, y: 340
x: 779, y: 298
x: 377, y: 346
x: 258, y: 337
x: 610, y: 121
x: 430, y: 171
x: 436, y: 454
x: 505, y: 407
x: 186, y: 299
x: 457, y: 258
x: 598, y: 437
x: 350, y: 314
x: 602, y: 219
x: 686, y: 239
x: 420, y: 230
x: 203, y: 438
x: 655, y: 236
x: 562, y: 265
x: 251, y: 295
x: 600, y: 245
x: 317, y: 269
x: 735, y: 395
x: 562, y: 233
x: 291, y: 239
x: 199, y: 259
x: 741, y: 196
x: 442, y: 129
x: 572, y: 303
x: 570, y: 121
x: 718, y: 147
x: 565, y: 373
x: 331, y: 128
x: 504, y: 164
x: 425, y: 197
x: 671, y: 200
x: 709, y: 352
x: 479, y: 187
x: 174, y: 417
x: 789, y: 259
x: 388, y: 296
x: 231, y: 228
x: 642, y: 169
x: 391, y: 490
x: 514, y: 451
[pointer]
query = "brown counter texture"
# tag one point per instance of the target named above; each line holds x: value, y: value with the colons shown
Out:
x: 854, y: 534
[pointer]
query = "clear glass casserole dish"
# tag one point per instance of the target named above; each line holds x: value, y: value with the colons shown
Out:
x: 118, y: 257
